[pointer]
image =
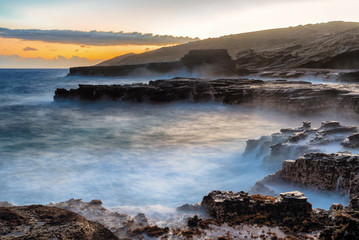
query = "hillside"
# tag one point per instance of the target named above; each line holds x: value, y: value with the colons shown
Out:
x: 311, y: 36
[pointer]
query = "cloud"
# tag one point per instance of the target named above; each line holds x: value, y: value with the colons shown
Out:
x: 16, y: 61
x: 29, y: 49
x: 95, y: 38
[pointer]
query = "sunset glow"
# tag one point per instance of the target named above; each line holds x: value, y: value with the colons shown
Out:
x: 143, y: 26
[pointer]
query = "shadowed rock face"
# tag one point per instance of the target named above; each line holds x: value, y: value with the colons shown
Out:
x: 291, y: 96
x: 40, y: 222
x: 210, y: 62
x: 327, y: 172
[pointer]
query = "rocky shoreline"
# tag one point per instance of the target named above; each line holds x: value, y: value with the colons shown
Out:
x: 290, y: 96
x: 230, y: 215
x: 225, y: 214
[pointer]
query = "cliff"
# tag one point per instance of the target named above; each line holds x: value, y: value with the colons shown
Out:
x: 211, y: 62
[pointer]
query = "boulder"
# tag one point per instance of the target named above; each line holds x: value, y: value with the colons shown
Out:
x: 41, y: 222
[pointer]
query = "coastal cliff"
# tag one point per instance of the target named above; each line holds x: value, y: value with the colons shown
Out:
x: 211, y: 62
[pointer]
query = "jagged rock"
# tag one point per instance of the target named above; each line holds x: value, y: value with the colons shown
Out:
x: 41, y: 222
x: 122, y: 225
x: 291, y: 96
x: 327, y: 172
x: 226, y: 205
x: 290, y: 211
x: 204, y: 62
x: 292, y: 143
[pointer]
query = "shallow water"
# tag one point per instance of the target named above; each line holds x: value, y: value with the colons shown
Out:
x: 124, y: 154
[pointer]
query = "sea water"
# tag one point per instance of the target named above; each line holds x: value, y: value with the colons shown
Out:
x: 125, y: 154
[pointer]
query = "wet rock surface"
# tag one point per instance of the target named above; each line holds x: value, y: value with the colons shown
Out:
x: 292, y: 143
x: 337, y: 172
x: 41, y: 222
x: 232, y: 215
x: 291, y: 96
x: 290, y: 211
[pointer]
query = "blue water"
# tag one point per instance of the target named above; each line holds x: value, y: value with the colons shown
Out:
x: 124, y: 154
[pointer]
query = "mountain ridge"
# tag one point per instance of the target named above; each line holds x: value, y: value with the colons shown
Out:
x: 263, y: 40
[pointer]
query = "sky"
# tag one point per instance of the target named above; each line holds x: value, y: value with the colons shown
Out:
x: 65, y: 33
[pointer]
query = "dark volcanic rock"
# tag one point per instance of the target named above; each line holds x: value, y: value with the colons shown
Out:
x: 210, y: 62
x: 40, y: 222
x: 292, y: 96
x: 290, y: 211
x: 225, y: 206
x: 327, y: 172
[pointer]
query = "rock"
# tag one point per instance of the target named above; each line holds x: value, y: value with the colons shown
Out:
x: 204, y: 62
x: 289, y: 96
x: 352, y: 141
x: 226, y: 206
x: 41, y: 222
x: 349, y: 76
x: 292, y: 143
x: 122, y: 225
x: 338, y: 172
x: 354, y: 204
x: 290, y: 211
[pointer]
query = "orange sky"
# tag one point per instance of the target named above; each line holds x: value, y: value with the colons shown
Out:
x: 9, y: 46
x: 118, y: 19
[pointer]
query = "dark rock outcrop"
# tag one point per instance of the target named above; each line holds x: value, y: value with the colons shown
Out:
x: 337, y: 172
x: 290, y: 211
x: 41, y: 222
x: 292, y: 96
x: 209, y: 62
x: 226, y: 206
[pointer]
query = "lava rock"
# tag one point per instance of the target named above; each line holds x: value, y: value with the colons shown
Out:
x: 41, y: 222
x: 337, y: 172
x: 290, y: 96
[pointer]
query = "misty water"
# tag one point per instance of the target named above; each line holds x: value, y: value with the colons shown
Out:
x: 126, y: 154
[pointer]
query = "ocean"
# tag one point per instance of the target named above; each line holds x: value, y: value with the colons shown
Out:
x: 125, y: 154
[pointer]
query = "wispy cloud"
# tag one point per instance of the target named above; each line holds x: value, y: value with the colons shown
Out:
x: 95, y: 38
x: 16, y: 61
x: 29, y: 49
